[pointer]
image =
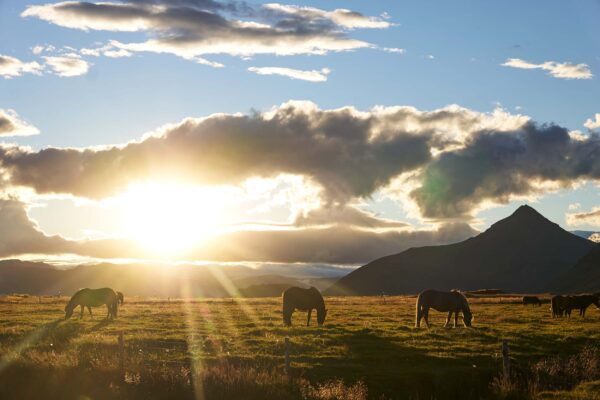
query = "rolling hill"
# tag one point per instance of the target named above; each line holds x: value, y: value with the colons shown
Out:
x: 521, y: 253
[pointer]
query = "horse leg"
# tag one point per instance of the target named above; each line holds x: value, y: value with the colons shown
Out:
x: 426, y: 316
x: 419, y: 316
x: 90, y: 310
x: 448, y: 319
x: 81, y: 313
x: 456, y: 318
x: 108, y: 311
x: 308, y: 319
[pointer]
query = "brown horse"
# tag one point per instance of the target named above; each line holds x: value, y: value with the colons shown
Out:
x: 120, y: 298
x: 532, y: 300
x: 582, y: 302
x: 296, y: 298
x: 561, y: 305
x: 452, y: 302
x: 93, y: 298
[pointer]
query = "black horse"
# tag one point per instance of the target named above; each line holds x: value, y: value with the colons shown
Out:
x: 93, y: 298
x: 532, y: 300
x: 452, y: 302
x: 296, y: 298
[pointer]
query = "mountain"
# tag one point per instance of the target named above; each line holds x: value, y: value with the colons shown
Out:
x: 589, y: 235
x: 521, y: 253
x: 583, y: 277
x: 156, y: 280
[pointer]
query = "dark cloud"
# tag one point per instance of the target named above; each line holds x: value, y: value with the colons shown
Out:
x: 496, y: 165
x: 339, y: 150
x: 334, y: 245
x: 193, y: 28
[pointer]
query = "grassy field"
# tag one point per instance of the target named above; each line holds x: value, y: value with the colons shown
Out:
x: 234, y: 349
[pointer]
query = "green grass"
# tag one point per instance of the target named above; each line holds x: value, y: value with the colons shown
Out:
x: 226, y: 348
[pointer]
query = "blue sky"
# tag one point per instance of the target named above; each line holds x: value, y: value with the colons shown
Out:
x: 453, y: 53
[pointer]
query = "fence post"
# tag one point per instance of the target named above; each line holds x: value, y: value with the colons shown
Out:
x: 121, y: 356
x: 505, y: 359
x: 287, y: 357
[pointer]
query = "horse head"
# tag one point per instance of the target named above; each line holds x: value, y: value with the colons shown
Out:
x: 69, y: 311
x: 321, y: 316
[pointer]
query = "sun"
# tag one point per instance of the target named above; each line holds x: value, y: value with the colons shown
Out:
x: 169, y: 219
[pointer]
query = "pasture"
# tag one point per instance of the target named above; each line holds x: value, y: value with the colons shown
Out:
x: 234, y: 349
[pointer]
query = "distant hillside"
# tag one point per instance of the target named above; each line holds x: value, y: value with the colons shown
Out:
x: 150, y: 280
x: 590, y: 235
x: 521, y: 253
x: 583, y: 277
x: 264, y: 290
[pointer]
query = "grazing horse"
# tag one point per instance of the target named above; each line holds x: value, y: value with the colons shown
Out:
x: 532, y: 300
x: 561, y: 305
x: 296, y: 298
x: 120, y: 298
x: 453, y: 302
x: 582, y: 302
x: 93, y: 298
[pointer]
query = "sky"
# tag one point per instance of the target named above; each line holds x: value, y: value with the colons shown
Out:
x: 306, y: 132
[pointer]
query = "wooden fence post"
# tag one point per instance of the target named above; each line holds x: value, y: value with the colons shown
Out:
x: 121, y: 356
x: 287, y: 357
x: 505, y: 359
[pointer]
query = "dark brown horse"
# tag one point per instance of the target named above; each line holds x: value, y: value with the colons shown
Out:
x: 561, y: 305
x: 452, y: 302
x: 582, y: 302
x: 296, y: 298
x: 93, y: 298
x: 532, y: 300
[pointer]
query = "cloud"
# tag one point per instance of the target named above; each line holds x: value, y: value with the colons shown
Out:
x: 497, y: 166
x: 346, y: 153
x: 584, y: 218
x: 190, y: 29
x: 11, y: 67
x: 19, y: 235
x: 311, y: 76
x: 564, y: 70
x: 592, y: 124
x: 345, y: 216
x: 108, y: 50
x: 342, y: 244
x: 394, y: 50
x: 67, y: 65
x: 334, y: 245
x: 12, y: 125
x: 341, y: 17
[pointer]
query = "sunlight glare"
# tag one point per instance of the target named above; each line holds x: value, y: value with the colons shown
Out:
x: 168, y: 219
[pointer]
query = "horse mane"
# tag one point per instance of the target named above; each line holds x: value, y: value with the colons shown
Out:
x: 76, y: 296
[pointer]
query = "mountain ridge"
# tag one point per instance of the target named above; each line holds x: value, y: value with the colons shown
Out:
x: 522, y: 252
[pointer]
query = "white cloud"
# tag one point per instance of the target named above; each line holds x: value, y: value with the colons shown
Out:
x: 564, y: 70
x: 12, y: 67
x: 311, y: 76
x: 12, y: 125
x: 342, y: 17
x: 574, y: 206
x: 589, y: 218
x: 394, y: 50
x: 592, y: 124
x: 67, y: 65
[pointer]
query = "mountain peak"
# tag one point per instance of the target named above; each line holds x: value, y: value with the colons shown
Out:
x: 526, y: 210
